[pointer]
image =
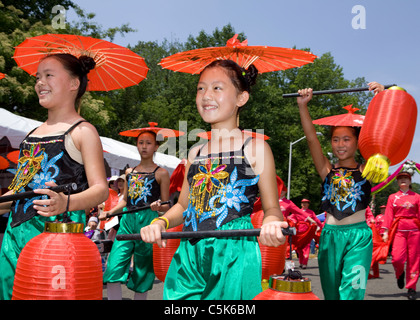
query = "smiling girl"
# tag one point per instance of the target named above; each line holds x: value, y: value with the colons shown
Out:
x: 221, y: 183
x: 345, y: 249
x: 64, y: 149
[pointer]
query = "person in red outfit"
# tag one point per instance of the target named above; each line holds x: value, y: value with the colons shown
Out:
x: 379, y: 219
x: 370, y: 219
x: 303, y: 253
x: 292, y: 212
x: 402, y: 228
x: 378, y: 243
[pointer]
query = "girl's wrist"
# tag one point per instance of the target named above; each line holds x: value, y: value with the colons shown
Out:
x: 163, y: 219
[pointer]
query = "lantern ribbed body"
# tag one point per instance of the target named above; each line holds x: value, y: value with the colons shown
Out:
x: 389, y: 126
x: 162, y: 257
x: 272, y: 258
x: 59, y: 266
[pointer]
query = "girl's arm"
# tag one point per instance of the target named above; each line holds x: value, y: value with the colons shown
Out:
x: 162, y: 177
x: 5, y: 207
x: 322, y: 165
x: 262, y: 161
x: 86, y: 139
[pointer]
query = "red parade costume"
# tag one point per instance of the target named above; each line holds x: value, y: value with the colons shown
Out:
x: 402, y: 220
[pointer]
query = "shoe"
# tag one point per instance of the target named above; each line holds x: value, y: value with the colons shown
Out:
x: 411, y: 294
x: 400, y: 280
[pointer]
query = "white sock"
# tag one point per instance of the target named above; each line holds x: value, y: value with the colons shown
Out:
x: 114, y: 291
x: 140, y: 296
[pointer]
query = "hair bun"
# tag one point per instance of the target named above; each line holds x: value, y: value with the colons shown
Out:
x: 87, y: 63
x: 251, y: 75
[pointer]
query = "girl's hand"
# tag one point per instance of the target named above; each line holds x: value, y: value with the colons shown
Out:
x: 103, y: 215
x: 271, y: 234
x: 375, y: 87
x: 155, y: 206
x: 305, y: 96
x: 56, y: 204
x: 152, y: 233
x: 385, y: 237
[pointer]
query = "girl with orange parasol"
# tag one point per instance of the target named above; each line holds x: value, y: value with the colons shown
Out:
x: 219, y: 189
x: 64, y: 149
x: 345, y: 249
x: 147, y: 184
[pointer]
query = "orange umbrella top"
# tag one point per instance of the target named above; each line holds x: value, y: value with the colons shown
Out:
x: 207, y: 135
x: 152, y: 127
x: 116, y: 67
x: 349, y: 119
x: 2, y: 75
x: 264, y: 58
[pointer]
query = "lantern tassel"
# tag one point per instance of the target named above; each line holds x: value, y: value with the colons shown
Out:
x: 376, y: 168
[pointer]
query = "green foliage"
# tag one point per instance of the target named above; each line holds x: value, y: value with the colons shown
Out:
x: 167, y: 97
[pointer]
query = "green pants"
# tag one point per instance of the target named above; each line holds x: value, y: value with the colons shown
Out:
x: 345, y: 255
x: 15, y: 239
x: 119, y: 260
x: 224, y: 268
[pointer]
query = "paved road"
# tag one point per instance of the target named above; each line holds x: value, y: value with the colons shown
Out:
x: 383, y: 288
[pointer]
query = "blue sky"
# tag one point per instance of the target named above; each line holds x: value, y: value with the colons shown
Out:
x: 386, y: 50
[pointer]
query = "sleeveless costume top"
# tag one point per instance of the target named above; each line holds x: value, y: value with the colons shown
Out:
x: 222, y: 187
x: 344, y: 192
x: 143, y: 189
x: 41, y: 160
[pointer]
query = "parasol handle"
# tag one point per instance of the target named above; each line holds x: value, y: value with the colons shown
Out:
x: 31, y: 194
x: 290, y: 231
x: 135, y: 209
x: 333, y: 91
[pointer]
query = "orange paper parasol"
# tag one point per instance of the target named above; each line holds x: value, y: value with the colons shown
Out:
x: 116, y: 67
x: 349, y: 119
x: 159, y: 131
x: 264, y: 58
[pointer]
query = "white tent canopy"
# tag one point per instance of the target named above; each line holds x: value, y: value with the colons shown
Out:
x: 117, y: 154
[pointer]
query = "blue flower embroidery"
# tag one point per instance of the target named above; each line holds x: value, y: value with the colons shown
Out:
x: 190, y: 217
x: 49, y: 170
x: 144, y: 190
x: 348, y: 197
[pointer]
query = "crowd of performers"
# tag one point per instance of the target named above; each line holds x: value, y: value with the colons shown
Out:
x: 222, y: 180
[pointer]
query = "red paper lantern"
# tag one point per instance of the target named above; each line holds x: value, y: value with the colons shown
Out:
x: 59, y: 264
x: 387, y: 132
x: 272, y: 258
x: 281, y: 288
x: 162, y: 257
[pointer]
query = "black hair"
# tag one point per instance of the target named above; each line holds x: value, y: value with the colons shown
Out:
x: 356, y: 131
x: 157, y: 137
x: 78, y: 67
x: 242, y: 79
